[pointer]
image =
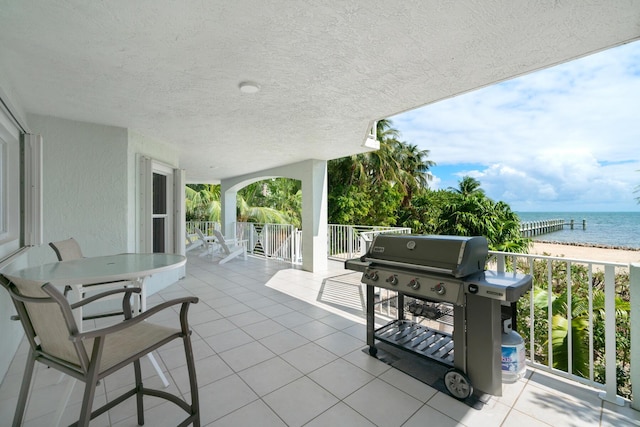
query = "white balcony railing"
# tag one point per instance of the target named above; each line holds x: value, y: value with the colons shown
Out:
x: 274, y: 241
x: 351, y: 241
x: 592, y: 297
x: 206, y: 227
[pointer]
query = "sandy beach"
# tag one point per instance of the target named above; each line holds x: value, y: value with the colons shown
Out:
x: 586, y: 252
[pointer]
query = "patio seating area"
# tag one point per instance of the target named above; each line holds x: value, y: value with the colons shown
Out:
x: 273, y: 350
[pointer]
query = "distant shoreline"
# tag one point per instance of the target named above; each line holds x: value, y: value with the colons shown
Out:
x: 585, y: 245
x: 585, y: 252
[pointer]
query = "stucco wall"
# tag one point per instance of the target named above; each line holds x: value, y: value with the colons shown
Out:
x: 85, y: 186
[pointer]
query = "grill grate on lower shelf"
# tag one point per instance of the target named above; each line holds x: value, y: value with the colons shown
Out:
x: 419, y: 339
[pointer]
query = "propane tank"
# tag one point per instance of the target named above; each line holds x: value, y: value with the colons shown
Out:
x: 513, y: 354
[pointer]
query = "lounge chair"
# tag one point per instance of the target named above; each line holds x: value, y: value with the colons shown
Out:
x: 227, y: 249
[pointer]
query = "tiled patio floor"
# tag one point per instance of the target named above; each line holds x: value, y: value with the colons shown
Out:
x: 272, y: 351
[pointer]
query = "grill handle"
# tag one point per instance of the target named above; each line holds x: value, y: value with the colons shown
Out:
x: 409, y: 266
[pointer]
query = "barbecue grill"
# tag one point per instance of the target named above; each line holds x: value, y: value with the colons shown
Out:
x: 443, y: 270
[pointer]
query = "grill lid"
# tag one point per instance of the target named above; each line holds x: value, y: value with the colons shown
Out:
x: 457, y: 256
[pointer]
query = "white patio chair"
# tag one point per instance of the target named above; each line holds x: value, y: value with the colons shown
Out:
x: 205, y: 241
x: 227, y: 249
x: 192, y: 242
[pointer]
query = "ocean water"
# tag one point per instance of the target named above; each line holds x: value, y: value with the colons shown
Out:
x: 620, y: 229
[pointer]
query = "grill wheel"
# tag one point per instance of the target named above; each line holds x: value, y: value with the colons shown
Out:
x: 458, y: 384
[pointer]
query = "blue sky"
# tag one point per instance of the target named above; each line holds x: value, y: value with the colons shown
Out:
x: 562, y: 139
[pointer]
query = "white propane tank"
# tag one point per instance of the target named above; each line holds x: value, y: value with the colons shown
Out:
x: 513, y: 354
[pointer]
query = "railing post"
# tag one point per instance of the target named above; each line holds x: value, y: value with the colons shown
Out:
x: 500, y: 263
x: 634, y: 285
x: 610, y: 393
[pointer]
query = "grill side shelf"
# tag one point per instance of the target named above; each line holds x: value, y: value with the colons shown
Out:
x: 418, y: 339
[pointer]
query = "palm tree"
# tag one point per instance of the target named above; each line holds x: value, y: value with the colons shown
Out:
x: 202, y: 202
x: 470, y: 213
x: 414, y: 169
x: 467, y: 186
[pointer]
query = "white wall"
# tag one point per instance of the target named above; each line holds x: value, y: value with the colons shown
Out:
x: 86, y: 186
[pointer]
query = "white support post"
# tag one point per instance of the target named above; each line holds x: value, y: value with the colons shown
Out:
x: 634, y: 284
x: 228, y: 214
x: 610, y: 393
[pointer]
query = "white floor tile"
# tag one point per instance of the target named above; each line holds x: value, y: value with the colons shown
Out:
x: 340, y: 415
x: 246, y: 355
x: 254, y: 414
x: 224, y: 397
x: 309, y: 357
x: 300, y: 401
x: 408, y: 384
x: 341, y: 378
x: 340, y: 343
x: 283, y: 341
x: 428, y: 415
x: 269, y: 375
x: 383, y: 404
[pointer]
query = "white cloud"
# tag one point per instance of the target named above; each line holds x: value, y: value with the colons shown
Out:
x: 568, y: 135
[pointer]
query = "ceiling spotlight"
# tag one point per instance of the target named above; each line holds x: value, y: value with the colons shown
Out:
x: 249, y: 87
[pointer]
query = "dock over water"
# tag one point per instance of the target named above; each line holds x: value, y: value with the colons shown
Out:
x: 536, y: 228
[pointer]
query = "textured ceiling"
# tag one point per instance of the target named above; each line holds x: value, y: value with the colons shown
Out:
x: 170, y: 69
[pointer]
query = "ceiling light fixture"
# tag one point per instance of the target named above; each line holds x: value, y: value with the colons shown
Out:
x: 249, y: 87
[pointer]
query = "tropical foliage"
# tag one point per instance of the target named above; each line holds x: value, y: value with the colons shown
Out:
x: 370, y: 188
x: 389, y: 187
x: 470, y: 213
x: 276, y: 201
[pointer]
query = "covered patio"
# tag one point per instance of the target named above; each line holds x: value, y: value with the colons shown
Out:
x: 271, y: 352
x: 103, y: 103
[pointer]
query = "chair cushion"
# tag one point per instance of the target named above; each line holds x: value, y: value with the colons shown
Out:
x: 124, y: 344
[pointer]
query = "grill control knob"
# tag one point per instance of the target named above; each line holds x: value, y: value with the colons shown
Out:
x: 371, y: 275
x: 414, y: 284
x: 440, y: 289
x: 393, y: 280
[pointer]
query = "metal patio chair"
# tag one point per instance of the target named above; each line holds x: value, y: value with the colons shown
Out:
x: 67, y: 250
x: 56, y: 341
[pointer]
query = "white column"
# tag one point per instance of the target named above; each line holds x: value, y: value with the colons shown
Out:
x: 314, y: 216
x: 228, y: 210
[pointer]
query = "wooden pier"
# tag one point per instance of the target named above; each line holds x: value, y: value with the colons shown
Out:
x: 535, y: 228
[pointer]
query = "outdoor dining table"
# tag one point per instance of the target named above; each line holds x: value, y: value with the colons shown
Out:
x: 102, y: 269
